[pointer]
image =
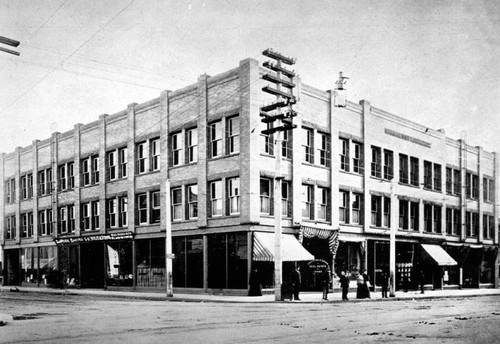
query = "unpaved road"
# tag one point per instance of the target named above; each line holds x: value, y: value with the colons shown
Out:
x: 44, y: 318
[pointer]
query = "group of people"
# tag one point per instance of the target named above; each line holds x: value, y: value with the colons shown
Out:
x: 362, y: 281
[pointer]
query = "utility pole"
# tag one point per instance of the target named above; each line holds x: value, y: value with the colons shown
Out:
x: 10, y: 42
x: 278, y: 117
x: 392, y: 247
x: 169, y: 256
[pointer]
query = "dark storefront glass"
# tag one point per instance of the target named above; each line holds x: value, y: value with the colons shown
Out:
x: 69, y: 264
x: 488, y: 265
x: 188, y: 262
x: 119, y: 264
x: 11, y: 267
x: 48, y: 262
x: 227, y: 261
x: 151, y: 263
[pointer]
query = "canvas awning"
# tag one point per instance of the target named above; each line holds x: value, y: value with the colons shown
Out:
x: 437, y: 255
x: 291, y: 249
x: 309, y: 230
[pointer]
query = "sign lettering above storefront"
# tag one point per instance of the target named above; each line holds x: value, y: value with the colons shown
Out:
x: 94, y: 238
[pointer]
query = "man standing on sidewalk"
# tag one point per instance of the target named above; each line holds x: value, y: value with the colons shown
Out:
x: 296, y: 283
x: 344, y: 283
x: 421, y: 281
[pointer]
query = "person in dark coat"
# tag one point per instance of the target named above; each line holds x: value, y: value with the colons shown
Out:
x: 366, y: 278
x: 421, y: 281
x: 296, y: 279
x: 344, y: 284
x: 384, y: 283
x: 254, y: 283
x: 363, y: 292
x: 325, y: 283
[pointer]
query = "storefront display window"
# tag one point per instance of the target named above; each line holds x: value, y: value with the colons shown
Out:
x: 188, y: 262
x: 48, y: 262
x: 119, y: 264
x: 29, y: 265
x: 150, y: 260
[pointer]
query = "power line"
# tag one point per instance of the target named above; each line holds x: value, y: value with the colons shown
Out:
x: 69, y: 56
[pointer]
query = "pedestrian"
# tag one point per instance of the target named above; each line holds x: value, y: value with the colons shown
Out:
x: 344, y: 284
x: 367, y: 284
x: 254, y: 283
x: 421, y: 281
x: 363, y: 284
x: 325, y: 283
x: 384, y: 283
x: 296, y: 283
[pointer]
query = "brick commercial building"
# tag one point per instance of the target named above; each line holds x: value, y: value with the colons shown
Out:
x: 90, y: 203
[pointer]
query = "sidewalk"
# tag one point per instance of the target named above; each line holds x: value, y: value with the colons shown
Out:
x: 306, y: 297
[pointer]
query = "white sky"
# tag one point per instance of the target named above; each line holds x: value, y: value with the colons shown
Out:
x: 434, y: 62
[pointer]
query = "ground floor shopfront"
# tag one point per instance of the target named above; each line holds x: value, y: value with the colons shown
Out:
x: 222, y: 261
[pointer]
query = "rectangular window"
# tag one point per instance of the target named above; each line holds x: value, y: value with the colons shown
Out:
x: 215, y: 139
x: 233, y: 188
x: 428, y: 217
x: 344, y: 206
x: 112, y: 212
x: 10, y: 187
x: 388, y: 164
x: 344, y: 155
x: 286, y: 203
x: 27, y: 225
x: 63, y: 220
x: 307, y: 202
x: 11, y: 227
x: 267, y: 139
x: 155, y: 207
x: 286, y: 145
x: 387, y: 212
x: 437, y: 177
x: 50, y: 221
x: 427, y: 175
x: 42, y: 223
x: 449, y: 180
x: 24, y: 186
x: 141, y: 157
x: 85, y: 163
x: 308, y: 145
x: 403, y: 168
x: 449, y: 221
x: 62, y: 177
x: 357, y: 207
x: 85, y: 216
x: 192, y: 145
x: 404, y: 214
x: 475, y: 186
x: 42, y: 188
x: 176, y: 149
x: 376, y: 162
x: 265, y: 196
x: 30, y: 186
x: 475, y: 224
x: 216, y: 198
x: 177, y: 204
x: 376, y: 210
x: 414, y: 180
x: 123, y: 159
x: 457, y: 182
x: 456, y: 222
x: 233, y: 135
x: 325, y: 150
x: 488, y: 190
x: 95, y: 169
x: 192, y: 198
x: 142, y: 209
x: 112, y: 165
x: 95, y: 215
x: 123, y: 211
x: 71, y: 218
x: 155, y: 154
x: 323, y: 203
x: 71, y: 175
x: 437, y: 218
x: 357, y: 158
x: 414, y: 213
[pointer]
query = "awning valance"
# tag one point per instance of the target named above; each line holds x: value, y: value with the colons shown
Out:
x: 322, y: 232
x: 437, y: 255
x: 291, y: 249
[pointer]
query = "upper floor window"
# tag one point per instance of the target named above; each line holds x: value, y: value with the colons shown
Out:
x: 357, y: 208
x: 414, y: 177
x: 472, y: 185
x: 116, y: 212
x: 215, y: 139
x: 10, y: 227
x: 488, y: 226
x: 192, y: 199
x: 155, y: 154
x: 116, y: 164
x: 90, y: 216
x: 427, y: 175
x: 449, y: 180
x: 90, y: 170
x: 308, y: 202
x: 192, y: 145
x: 376, y: 162
x: 27, y: 186
x: 344, y: 155
x: 472, y: 224
x: 176, y: 149
x: 233, y: 135
x: 27, y: 225
x: 265, y: 196
x: 323, y: 203
x: 488, y: 190
x: 437, y: 177
x: 432, y: 218
x: 286, y: 145
x: 216, y: 198
x: 10, y: 191
x: 381, y: 211
x: 147, y: 208
x: 388, y: 164
x: 457, y: 182
x: 344, y: 206
x: 308, y: 145
x: 286, y: 202
x: 142, y: 157
x: 148, y: 156
x: 44, y: 182
x: 357, y: 158
x: 66, y: 219
x: 176, y: 204
x: 267, y: 142
x: 403, y: 168
x: 233, y: 188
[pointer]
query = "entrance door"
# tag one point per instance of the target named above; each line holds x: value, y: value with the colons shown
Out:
x: 92, y: 265
x: 11, y: 267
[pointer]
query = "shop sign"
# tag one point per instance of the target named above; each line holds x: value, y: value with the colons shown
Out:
x: 318, y: 265
x: 95, y: 238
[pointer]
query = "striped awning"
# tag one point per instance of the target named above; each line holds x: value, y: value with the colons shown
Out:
x: 291, y: 249
x: 437, y: 255
x: 322, y: 232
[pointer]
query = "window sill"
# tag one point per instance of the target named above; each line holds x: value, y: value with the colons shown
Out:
x: 351, y: 173
x: 116, y: 180
x: 147, y: 173
x: 223, y: 156
x: 409, y: 185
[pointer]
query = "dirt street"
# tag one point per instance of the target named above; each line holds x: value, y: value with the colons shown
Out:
x: 82, y: 319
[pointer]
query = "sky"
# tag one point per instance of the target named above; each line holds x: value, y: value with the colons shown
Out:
x: 433, y: 62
